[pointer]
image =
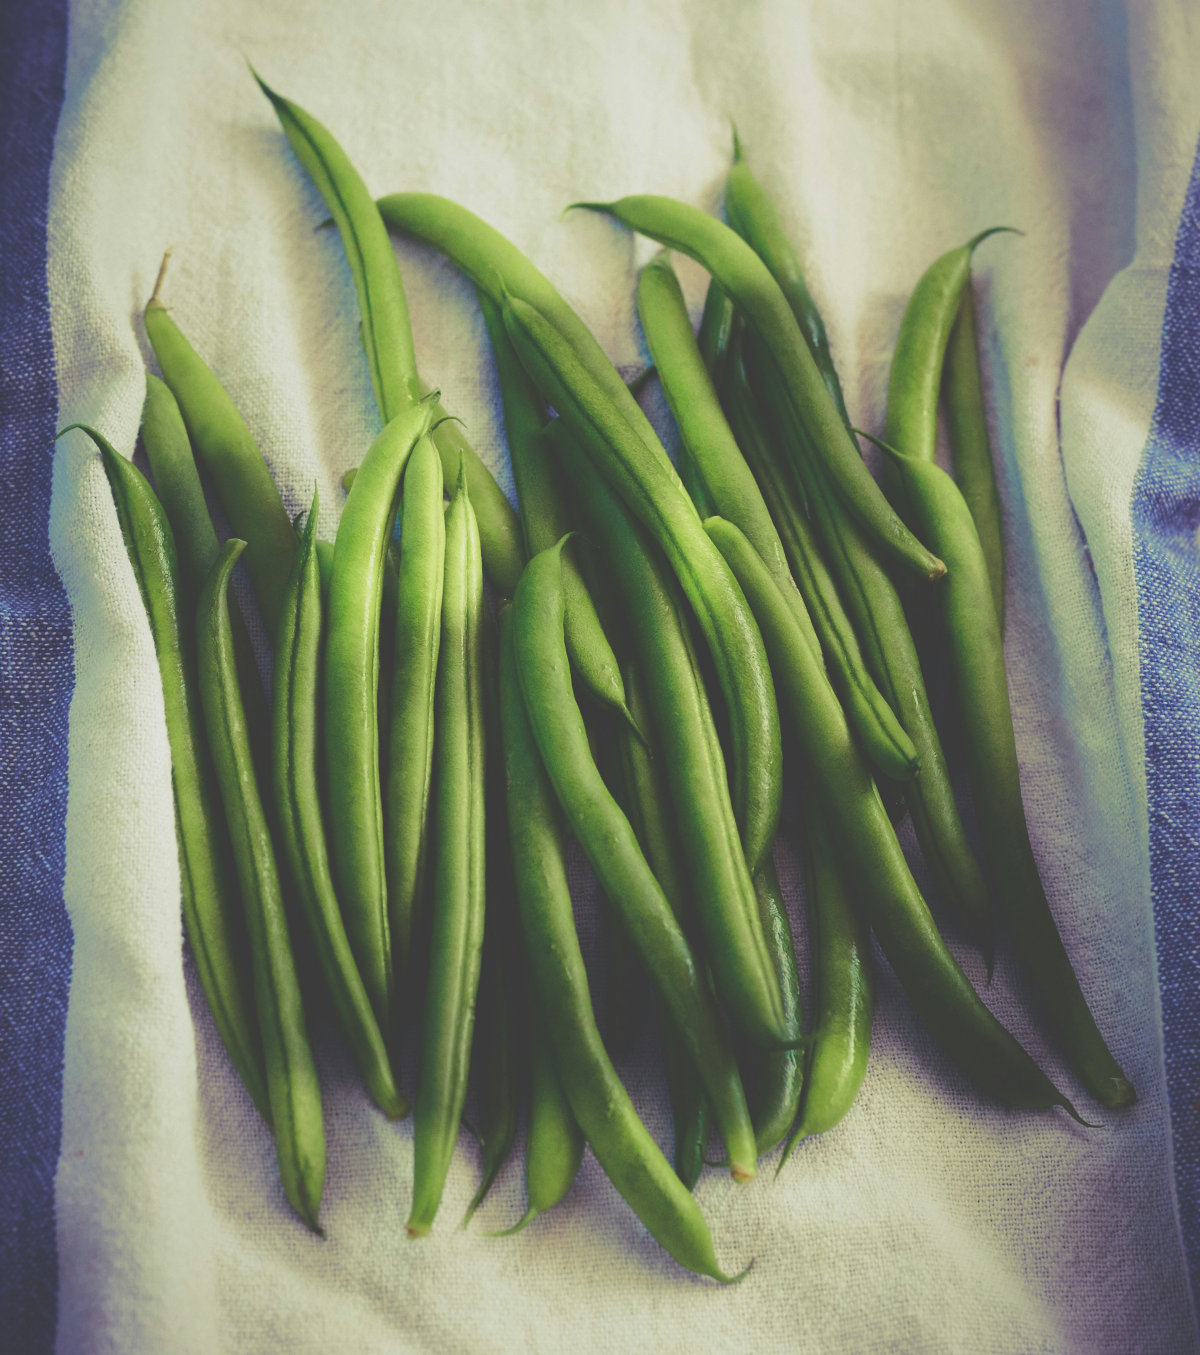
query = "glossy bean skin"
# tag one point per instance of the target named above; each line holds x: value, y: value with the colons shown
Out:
x: 612, y: 849
x: 460, y: 866
x: 966, y: 423
x: 351, y: 701
x: 977, y: 656
x: 874, y: 864
x: 601, y: 1105
x: 651, y: 814
x: 496, y: 266
x: 386, y: 330
x: 662, y: 506
x: 417, y: 608
x: 545, y: 517
x: 224, y: 444
x: 842, y: 983
x: 774, y: 1077
x: 177, y: 485
x: 750, y: 212
x: 806, y: 402
x: 499, y: 1052
x: 650, y: 600
x: 211, y: 911
x: 716, y: 334
x: 880, y: 622
x: 292, y: 1086
x: 295, y: 743
x: 499, y: 527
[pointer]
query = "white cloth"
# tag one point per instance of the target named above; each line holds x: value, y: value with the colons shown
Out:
x: 932, y: 1219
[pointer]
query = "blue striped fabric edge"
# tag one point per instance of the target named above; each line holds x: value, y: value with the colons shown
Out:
x: 1165, y: 519
x: 37, y: 677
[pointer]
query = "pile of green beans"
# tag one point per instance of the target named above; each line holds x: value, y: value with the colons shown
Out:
x: 384, y: 839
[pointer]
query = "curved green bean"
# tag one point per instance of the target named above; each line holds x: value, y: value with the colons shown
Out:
x: 459, y: 878
x: 496, y: 267
x: 977, y: 656
x: 211, y: 914
x: 351, y: 700
x: 753, y: 215
x: 716, y: 334
x: 177, y: 485
x: 544, y: 515
x: 843, y: 987
x: 295, y: 743
x: 874, y: 863
x: 292, y: 1085
x: 920, y: 351
x: 806, y: 403
x: 737, y: 497
x: 609, y: 843
x: 872, y: 600
x: 651, y: 815
x: 601, y: 1105
x: 386, y: 330
x: 221, y: 440
x: 663, y: 507
x: 966, y: 422
x: 417, y: 607
x: 653, y: 608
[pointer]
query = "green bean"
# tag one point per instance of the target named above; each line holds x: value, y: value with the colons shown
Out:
x: 872, y: 600
x: 874, y: 863
x: 843, y: 987
x: 221, y: 440
x: 805, y: 401
x: 736, y: 496
x: 612, y: 850
x: 601, y: 1105
x: 351, y: 704
x: 753, y: 215
x: 544, y: 516
x: 977, y: 657
x: 459, y: 879
x: 387, y: 332
x: 210, y: 911
x: 774, y: 1077
x: 966, y: 421
x: 651, y: 815
x: 497, y: 267
x: 295, y: 745
x: 920, y: 350
x: 501, y: 1035
x: 650, y: 600
x: 664, y: 509
x: 177, y: 485
x: 291, y: 1073
x: 554, y: 1141
x: 499, y: 527
x: 417, y: 608
x: 351, y: 701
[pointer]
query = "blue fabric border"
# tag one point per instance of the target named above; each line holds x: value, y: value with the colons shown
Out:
x: 37, y: 676
x: 1166, y: 517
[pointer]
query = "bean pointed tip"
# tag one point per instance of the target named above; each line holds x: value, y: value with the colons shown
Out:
x: 415, y: 1230
x: 586, y: 207
x: 530, y: 1214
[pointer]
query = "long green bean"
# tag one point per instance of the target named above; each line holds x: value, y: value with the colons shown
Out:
x: 292, y: 1085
